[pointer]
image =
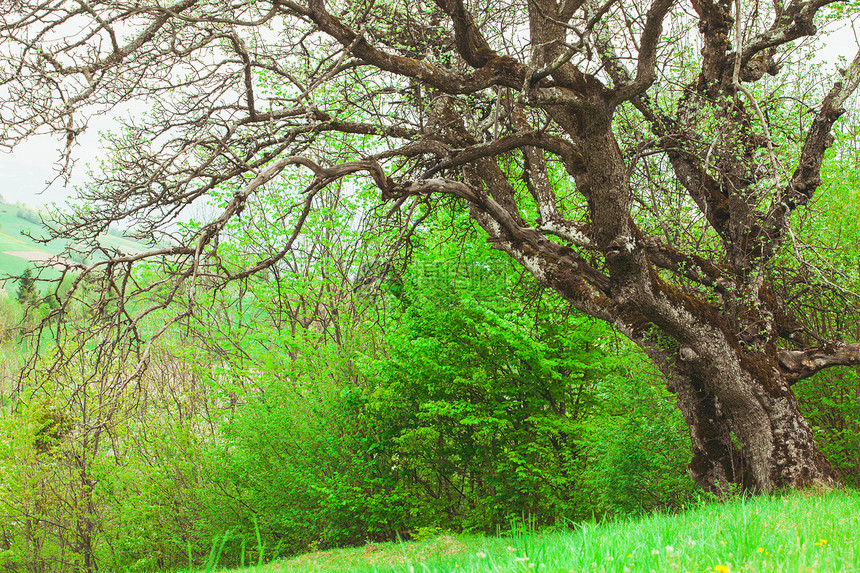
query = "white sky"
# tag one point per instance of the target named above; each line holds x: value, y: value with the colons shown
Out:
x: 24, y: 173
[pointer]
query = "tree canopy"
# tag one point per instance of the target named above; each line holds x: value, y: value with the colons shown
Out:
x: 645, y: 160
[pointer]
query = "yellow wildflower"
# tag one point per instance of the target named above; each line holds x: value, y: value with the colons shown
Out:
x: 721, y: 569
x: 760, y: 550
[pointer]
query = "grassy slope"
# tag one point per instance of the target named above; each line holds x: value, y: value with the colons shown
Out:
x: 805, y: 533
x: 13, y: 230
x: 11, y: 239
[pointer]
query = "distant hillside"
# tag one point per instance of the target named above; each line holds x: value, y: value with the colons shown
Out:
x: 18, y: 251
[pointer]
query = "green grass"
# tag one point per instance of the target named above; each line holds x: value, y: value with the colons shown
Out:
x: 802, y: 532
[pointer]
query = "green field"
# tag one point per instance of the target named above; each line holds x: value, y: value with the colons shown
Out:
x: 802, y: 532
x: 19, y: 231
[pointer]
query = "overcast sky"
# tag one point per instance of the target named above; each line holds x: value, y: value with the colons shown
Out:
x: 25, y: 172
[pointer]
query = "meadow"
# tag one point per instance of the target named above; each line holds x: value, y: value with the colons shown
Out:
x: 805, y: 532
x: 21, y: 229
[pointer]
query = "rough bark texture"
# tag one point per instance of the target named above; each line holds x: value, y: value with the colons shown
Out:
x: 554, y: 146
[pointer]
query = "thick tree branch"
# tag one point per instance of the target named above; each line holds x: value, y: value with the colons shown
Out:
x: 470, y: 43
x: 502, y: 70
x: 537, y: 179
x: 647, y: 60
x: 807, y: 176
x: 557, y: 145
x: 693, y: 267
x: 800, y: 364
x: 564, y: 57
x: 794, y: 22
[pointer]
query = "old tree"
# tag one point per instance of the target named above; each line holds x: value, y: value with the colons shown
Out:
x: 636, y: 156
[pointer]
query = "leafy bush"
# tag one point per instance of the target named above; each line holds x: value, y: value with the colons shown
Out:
x: 303, y: 457
x: 639, y: 447
x: 831, y: 403
x: 488, y: 400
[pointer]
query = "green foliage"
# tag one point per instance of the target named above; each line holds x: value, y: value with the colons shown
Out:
x: 11, y: 317
x: 480, y: 404
x: 41, y: 508
x: 302, y: 456
x: 503, y: 402
x: 155, y: 495
x: 824, y: 290
x: 830, y: 401
x: 640, y: 446
x: 102, y: 475
x: 486, y: 404
x: 300, y: 412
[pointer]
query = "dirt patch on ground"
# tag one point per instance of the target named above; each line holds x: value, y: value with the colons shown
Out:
x: 376, y: 554
x: 46, y: 259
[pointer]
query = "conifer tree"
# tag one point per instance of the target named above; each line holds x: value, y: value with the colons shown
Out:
x: 27, y: 293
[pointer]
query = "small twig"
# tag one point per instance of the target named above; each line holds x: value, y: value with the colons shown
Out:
x: 804, y: 263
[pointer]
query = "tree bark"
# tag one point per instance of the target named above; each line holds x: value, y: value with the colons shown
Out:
x: 746, y: 429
